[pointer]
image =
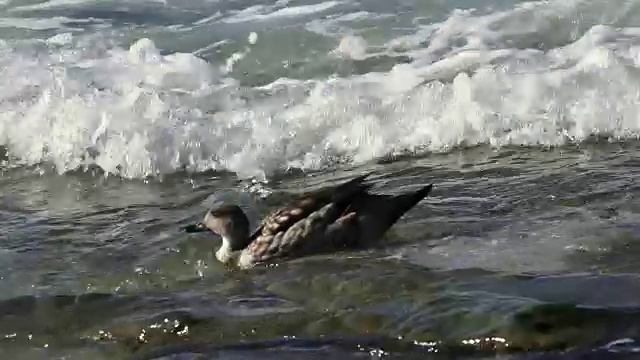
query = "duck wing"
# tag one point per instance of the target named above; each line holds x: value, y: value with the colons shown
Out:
x: 297, y: 227
x: 304, y: 205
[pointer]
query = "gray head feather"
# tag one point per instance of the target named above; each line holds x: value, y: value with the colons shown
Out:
x: 231, y: 223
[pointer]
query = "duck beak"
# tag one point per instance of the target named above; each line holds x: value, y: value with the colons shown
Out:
x: 195, y: 228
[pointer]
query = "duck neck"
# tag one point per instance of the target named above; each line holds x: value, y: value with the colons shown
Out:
x: 225, y: 252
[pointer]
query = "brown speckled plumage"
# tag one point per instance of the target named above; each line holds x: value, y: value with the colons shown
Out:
x: 326, y: 220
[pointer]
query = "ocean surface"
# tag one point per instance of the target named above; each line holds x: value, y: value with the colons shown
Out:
x: 123, y: 120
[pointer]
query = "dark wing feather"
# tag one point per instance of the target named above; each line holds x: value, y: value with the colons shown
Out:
x: 306, y: 204
x: 305, y: 236
x: 293, y: 228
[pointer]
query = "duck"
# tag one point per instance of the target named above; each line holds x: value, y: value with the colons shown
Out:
x: 331, y: 219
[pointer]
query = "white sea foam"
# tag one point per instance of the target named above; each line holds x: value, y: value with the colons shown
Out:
x: 209, y: 19
x: 353, y: 47
x: 71, y: 4
x: 51, y: 4
x: 339, y: 24
x: 138, y: 112
x: 36, y: 24
x: 260, y: 12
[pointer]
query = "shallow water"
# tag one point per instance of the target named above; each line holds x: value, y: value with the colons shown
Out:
x: 479, y: 258
x: 121, y: 121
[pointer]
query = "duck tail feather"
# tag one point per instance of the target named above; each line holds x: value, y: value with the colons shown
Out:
x: 382, y: 211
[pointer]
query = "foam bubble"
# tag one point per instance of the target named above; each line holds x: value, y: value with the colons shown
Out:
x: 60, y: 39
x: 253, y: 38
x: 353, y: 47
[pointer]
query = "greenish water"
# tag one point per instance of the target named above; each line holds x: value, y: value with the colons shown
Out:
x: 447, y: 273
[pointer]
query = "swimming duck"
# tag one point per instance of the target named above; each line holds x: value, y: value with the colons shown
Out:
x: 331, y: 219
